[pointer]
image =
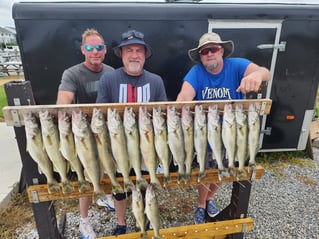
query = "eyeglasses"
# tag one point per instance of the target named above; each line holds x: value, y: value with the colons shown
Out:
x: 131, y: 34
x: 212, y: 49
x: 91, y: 48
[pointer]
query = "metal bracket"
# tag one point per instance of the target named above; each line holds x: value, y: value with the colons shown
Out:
x: 281, y: 46
x: 15, y: 118
x: 266, y: 131
x: 16, y: 101
x: 244, y: 228
x: 262, y: 108
x: 35, y: 181
x: 35, y: 197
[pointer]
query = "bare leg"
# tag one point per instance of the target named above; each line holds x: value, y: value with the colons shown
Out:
x: 205, y: 194
x: 84, y: 203
x: 120, y: 209
x: 213, y: 189
x: 202, y: 194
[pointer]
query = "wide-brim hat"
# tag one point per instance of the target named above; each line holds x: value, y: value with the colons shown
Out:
x: 132, y: 37
x: 211, y: 37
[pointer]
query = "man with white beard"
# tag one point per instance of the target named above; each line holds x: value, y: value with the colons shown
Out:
x: 130, y: 83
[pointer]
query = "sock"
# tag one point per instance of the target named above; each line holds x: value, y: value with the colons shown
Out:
x: 84, y: 220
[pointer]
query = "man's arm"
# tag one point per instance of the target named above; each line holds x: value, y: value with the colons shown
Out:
x: 65, y: 97
x: 253, y: 78
x: 187, y: 92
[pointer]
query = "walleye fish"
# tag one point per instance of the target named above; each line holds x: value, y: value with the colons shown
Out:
x: 200, y: 139
x: 176, y: 140
x: 253, y: 134
x: 51, y: 142
x: 147, y: 144
x: 87, y: 152
x: 118, y: 145
x: 67, y: 148
x: 133, y: 145
x: 160, y: 141
x: 138, y: 210
x: 241, y: 139
x: 36, y: 150
x: 188, y: 135
x: 102, y: 139
x: 214, y: 137
x: 151, y: 210
x: 229, y: 136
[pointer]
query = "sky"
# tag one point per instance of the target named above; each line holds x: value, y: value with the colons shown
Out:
x: 6, y: 6
x: 5, y: 13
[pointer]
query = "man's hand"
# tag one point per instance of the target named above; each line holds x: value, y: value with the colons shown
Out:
x: 254, y: 76
x: 250, y: 83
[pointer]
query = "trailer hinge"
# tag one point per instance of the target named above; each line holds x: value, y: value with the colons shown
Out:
x: 15, y: 118
x: 281, y: 46
x: 244, y: 228
x: 266, y: 131
x: 35, y: 197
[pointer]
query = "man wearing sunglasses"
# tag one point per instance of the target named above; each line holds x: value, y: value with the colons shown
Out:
x: 130, y: 83
x: 217, y: 77
x: 79, y: 84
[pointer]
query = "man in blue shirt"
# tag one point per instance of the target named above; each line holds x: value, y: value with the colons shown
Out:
x: 217, y: 77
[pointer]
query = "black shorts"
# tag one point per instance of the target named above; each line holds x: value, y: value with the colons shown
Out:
x: 122, y: 196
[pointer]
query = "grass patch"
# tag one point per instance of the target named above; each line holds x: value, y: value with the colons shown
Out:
x: 3, y: 100
x: 278, y: 161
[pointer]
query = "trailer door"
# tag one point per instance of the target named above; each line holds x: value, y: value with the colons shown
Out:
x: 256, y: 40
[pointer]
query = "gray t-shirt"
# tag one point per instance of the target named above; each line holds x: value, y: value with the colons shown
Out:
x: 82, y: 82
x: 119, y: 87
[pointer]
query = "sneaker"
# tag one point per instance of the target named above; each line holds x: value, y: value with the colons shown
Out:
x: 212, y: 210
x: 106, y: 202
x: 119, y: 230
x: 200, y: 215
x: 86, y: 230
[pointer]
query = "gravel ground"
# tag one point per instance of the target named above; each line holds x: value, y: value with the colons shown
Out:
x: 283, y: 204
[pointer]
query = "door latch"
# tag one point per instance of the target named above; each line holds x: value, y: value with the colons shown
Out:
x: 281, y: 46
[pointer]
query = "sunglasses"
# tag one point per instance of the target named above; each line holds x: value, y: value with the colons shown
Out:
x: 91, y: 48
x: 212, y: 49
x: 131, y: 34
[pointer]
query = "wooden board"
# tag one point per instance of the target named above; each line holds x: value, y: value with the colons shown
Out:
x: 39, y: 193
x: 198, y: 231
x: 12, y: 114
x: 314, y: 130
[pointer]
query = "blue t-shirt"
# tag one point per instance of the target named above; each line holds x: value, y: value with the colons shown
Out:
x: 221, y: 86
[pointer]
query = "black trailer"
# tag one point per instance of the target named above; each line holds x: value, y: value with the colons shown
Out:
x: 283, y: 37
x: 280, y: 36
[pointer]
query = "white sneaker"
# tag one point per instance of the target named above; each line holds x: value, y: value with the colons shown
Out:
x: 86, y: 230
x: 106, y: 202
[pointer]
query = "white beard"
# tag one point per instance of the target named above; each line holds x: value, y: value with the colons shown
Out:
x: 211, y: 67
x: 134, y: 68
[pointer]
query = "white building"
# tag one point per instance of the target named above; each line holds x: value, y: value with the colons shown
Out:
x: 7, y: 36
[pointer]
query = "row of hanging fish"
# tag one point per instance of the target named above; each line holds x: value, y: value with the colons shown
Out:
x: 143, y: 141
x: 237, y: 133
